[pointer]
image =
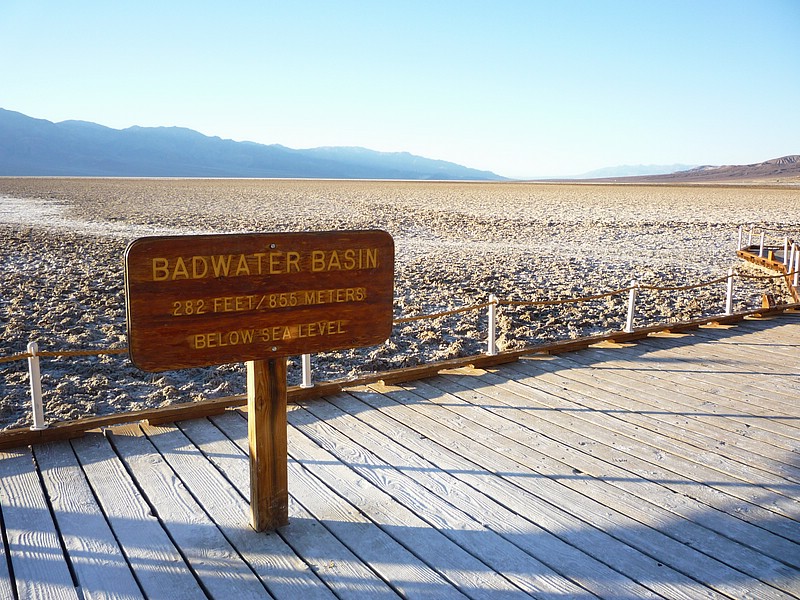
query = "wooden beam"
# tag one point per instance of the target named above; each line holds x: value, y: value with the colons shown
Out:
x: 266, y: 418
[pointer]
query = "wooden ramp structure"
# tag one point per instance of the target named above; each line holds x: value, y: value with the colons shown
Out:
x: 665, y: 468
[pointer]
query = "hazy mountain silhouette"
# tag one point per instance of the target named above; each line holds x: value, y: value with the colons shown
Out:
x: 783, y: 169
x: 36, y: 147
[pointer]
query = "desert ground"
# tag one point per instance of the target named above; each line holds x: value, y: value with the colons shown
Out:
x: 63, y: 243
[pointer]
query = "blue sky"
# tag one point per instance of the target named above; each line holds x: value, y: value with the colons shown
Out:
x: 524, y: 88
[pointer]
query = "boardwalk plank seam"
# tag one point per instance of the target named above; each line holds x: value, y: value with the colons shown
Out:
x: 632, y: 396
x: 435, y: 508
x: 620, y: 472
x: 629, y: 530
x: 683, y: 530
x: 712, y: 486
x: 513, y: 477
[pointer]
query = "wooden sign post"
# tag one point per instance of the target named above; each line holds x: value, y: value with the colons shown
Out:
x: 195, y: 301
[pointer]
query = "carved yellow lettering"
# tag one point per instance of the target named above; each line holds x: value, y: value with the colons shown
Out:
x: 317, y: 261
x: 275, y: 262
x: 292, y: 262
x: 180, y: 270
x: 349, y: 259
x: 242, y: 268
x: 371, y: 259
x: 199, y: 267
x: 221, y: 264
x: 160, y: 269
x: 333, y: 262
x: 259, y: 256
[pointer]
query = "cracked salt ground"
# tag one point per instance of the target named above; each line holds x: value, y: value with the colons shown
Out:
x: 63, y: 243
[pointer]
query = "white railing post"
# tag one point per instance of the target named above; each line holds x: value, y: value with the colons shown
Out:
x: 796, y: 270
x: 491, y: 348
x: 631, y: 307
x: 729, y: 295
x: 305, y: 360
x: 761, y: 246
x: 741, y: 233
x: 750, y: 238
x: 790, y: 265
x: 35, y: 376
x: 786, y: 250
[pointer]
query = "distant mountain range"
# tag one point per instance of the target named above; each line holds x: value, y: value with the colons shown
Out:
x: 36, y: 147
x: 785, y: 168
x: 632, y: 171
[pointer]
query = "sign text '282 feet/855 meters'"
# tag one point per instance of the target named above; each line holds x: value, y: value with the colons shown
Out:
x: 214, y: 299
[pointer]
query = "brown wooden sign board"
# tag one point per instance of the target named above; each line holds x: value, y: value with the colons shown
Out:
x: 214, y: 299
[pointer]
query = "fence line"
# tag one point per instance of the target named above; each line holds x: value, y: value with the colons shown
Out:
x: 498, y: 302
x: 791, y: 262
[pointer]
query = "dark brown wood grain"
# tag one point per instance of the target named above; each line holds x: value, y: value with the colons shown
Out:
x: 266, y: 415
x: 214, y: 299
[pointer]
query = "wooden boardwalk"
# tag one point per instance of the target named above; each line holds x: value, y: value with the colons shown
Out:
x: 665, y: 468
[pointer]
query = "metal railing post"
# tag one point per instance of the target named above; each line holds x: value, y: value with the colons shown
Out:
x: 37, y: 407
x: 491, y: 348
x: 729, y: 295
x: 631, y: 307
x: 750, y: 238
x: 761, y: 246
x: 305, y: 360
x: 741, y: 233
x: 786, y: 250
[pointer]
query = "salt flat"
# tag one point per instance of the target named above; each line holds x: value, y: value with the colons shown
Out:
x: 456, y: 243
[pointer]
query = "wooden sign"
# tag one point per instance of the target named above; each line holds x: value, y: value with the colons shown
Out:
x: 214, y: 299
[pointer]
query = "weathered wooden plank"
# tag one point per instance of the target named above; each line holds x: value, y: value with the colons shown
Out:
x: 684, y: 468
x: 591, y: 394
x: 704, y: 421
x: 777, y: 343
x: 719, y: 409
x: 96, y: 558
x: 157, y: 564
x: 636, y: 498
x: 591, y: 503
x: 592, y: 452
x: 467, y: 574
x: 531, y: 495
x: 502, y: 506
x: 6, y: 584
x: 336, y: 431
x: 663, y: 386
x: 394, y: 563
x: 626, y: 392
x: 214, y: 562
x: 38, y: 562
x: 768, y: 348
x: 223, y: 491
x: 326, y: 556
x: 708, y: 363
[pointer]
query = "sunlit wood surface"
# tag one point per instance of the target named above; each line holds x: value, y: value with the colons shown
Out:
x: 665, y: 468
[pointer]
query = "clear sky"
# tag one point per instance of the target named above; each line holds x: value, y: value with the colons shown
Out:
x: 523, y: 88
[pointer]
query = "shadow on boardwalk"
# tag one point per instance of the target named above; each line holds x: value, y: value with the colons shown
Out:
x: 668, y: 468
